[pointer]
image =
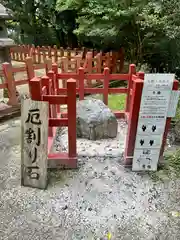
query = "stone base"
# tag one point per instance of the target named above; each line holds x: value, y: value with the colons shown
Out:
x: 8, y: 112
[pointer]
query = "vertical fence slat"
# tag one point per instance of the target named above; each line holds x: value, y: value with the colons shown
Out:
x: 55, y: 70
x: 35, y: 88
x: 46, y: 81
x: 48, y: 65
x: 69, y: 53
x: 64, y: 69
x: 51, y: 75
x: 49, y: 52
x: 9, y: 79
x: 106, y: 85
x: 44, y: 53
x: 61, y: 52
x: 132, y: 70
x: 38, y: 55
x: 81, y: 83
x: 133, y: 120
x: 71, y: 102
x: 55, y: 54
x: 29, y: 68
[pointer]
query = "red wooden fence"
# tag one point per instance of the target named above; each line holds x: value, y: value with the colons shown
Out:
x: 71, y: 59
x: 48, y: 88
x: 39, y: 54
x: 9, y: 80
x: 44, y: 89
x: 83, y: 82
x: 105, y: 77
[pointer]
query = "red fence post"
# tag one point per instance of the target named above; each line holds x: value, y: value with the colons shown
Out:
x: 81, y: 83
x: 48, y: 65
x: 133, y: 120
x: 35, y: 87
x: 43, y: 49
x: 55, y: 54
x: 121, y: 56
x: 29, y: 68
x: 55, y: 70
x: 132, y: 70
x: 12, y: 53
x: 30, y: 71
x: 89, y: 56
x: 71, y: 103
x: 49, y: 52
x: 21, y: 53
x: 33, y: 49
x: 51, y: 75
x: 106, y: 85
x: 64, y: 64
x: 69, y: 53
x: 46, y: 81
x: 38, y: 54
x: 61, y: 52
x: 11, y: 87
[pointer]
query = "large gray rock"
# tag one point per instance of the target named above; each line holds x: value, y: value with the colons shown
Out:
x: 95, y: 120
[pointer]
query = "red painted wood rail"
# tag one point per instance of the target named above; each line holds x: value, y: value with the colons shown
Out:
x: 44, y: 89
x: 81, y: 89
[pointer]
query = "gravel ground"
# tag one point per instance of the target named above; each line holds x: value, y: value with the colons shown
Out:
x: 99, y: 196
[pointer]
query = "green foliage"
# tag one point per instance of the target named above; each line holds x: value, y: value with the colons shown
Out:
x: 177, y: 117
x: 148, y: 30
x: 39, y: 23
x: 115, y: 101
x: 170, y: 170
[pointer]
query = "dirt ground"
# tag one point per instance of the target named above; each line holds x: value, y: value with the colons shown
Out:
x: 100, y: 196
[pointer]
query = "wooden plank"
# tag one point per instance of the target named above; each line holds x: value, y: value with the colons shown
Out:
x: 34, y: 143
x: 55, y: 122
x: 55, y: 99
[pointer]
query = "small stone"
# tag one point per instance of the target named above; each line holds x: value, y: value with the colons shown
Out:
x: 65, y: 207
x: 106, y: 168
x: 89, y: 209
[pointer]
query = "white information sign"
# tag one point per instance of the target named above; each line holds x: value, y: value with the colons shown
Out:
x: 146, y: 159
x: 152, y: 119
x: 148, y: 141
x: 173, y: 103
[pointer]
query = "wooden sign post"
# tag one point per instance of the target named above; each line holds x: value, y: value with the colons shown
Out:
x: 34, y: 143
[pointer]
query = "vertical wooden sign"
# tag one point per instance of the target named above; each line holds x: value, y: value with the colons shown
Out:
x: 34, y: 143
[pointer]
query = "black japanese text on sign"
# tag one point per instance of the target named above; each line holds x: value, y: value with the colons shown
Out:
x: 31, y: 137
